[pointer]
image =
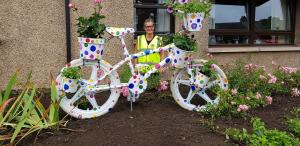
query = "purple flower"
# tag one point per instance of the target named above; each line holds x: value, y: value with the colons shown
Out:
x: 183, y: 1
x: 170, y: 10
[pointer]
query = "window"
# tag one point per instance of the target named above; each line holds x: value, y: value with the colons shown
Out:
x: 252, y: 22
x: 164, y: 22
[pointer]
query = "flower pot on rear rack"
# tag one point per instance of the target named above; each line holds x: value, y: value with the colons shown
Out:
x: 69, y: 85
x: 91, y: 48
x: 194, y: 21
x: 181, y: 57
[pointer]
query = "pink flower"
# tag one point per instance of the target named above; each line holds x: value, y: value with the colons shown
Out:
x: 258, y: 95
x: 125, y: 91
x: 251, y: 66
x: 261, y: 77
x: 98, y: 1
x: 272, y: 79
x: 288, y: 70
x: 183, y: 1
x: 100, y: 73
x: 295, y: 92
x: 248, y: 98
x: 242, y: 108
x: 248, y: 66
x: 234, y: 91
x: 71, y: 5
x: 209, y: 55
x: 163, y: 86
x: 269, y: 99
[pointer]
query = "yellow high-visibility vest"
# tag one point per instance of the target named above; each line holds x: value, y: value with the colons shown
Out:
x: 142, y: 45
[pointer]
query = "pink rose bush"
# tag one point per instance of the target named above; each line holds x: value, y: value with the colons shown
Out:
x: 269, y: 99
x: 288, y: 70
x: 272, y: 79
x: 295, y: 92
x: 252, y: 86
x: 163, y: 86
x: 242, y: 108
x: 125, y: 91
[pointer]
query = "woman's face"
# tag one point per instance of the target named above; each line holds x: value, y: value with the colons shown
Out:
x: 149, y: 27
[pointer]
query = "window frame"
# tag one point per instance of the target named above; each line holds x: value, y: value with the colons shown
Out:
x: 252, y: 32
x: 153, y: 6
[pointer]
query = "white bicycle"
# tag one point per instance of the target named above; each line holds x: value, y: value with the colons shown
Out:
x: 100, y: 86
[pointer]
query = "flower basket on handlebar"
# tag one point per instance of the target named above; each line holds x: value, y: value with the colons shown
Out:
x: 185, y: 46
x: 180, y: 57
x: 91, y: 48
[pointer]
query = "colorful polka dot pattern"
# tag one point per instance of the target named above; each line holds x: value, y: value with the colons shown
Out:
x: 180, y: 57
x: 201, y: 80
x: 91, y: 48
x: 194, y: 21
x: 69, y: 85
x: 119, y: 31
x: 137, y: 85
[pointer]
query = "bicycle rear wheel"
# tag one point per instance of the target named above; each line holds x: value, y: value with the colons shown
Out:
x: 85, y: 103
x: 189, y: 98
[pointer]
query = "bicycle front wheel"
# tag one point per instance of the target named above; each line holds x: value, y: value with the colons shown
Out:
x: 186, y: 96
x: 84, y: 103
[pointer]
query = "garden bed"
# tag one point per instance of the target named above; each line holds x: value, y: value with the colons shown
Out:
x: 160, y: 122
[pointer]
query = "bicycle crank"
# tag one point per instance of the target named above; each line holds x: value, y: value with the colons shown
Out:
x: 136, y: 85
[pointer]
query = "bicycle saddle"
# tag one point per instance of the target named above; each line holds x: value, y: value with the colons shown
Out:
x: 115, y: 31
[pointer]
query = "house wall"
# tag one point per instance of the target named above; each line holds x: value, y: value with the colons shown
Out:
x: 32, y: 37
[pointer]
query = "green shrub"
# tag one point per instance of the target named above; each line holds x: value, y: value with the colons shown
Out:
x: 294, y: 121
x: 261, y: 136
x: 71, y: 72
x: 182, y: 41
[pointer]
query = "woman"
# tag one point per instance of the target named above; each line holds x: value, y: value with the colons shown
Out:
x: 146, y: 42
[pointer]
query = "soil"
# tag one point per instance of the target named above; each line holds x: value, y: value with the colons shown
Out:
x: 158, y: 121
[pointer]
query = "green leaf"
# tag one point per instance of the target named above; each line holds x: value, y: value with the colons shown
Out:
x: 26, y: 112
x: 9, y: 86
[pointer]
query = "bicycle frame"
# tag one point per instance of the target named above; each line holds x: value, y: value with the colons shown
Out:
x: 130, y: 57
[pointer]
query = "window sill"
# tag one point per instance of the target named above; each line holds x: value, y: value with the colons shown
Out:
x: 253, y: 49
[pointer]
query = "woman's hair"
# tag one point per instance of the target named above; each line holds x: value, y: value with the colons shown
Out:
x: 148, y: 20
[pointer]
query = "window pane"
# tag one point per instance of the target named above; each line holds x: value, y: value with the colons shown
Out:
x: 272, y: 15
x: 160, y: 17
x: 151, y: 1
x: 227, y: 14
x: 228, y: 39
x: 273, y: 39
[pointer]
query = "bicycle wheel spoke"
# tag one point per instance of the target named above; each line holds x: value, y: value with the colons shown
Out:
x: 94, y: 74
x: 204, y: 96
x: 91, y: 98
x: 184, y: 82
x: 77, y: 96
x: 190, y: 96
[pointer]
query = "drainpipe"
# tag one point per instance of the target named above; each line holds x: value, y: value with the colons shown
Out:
x: 68, y: 30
